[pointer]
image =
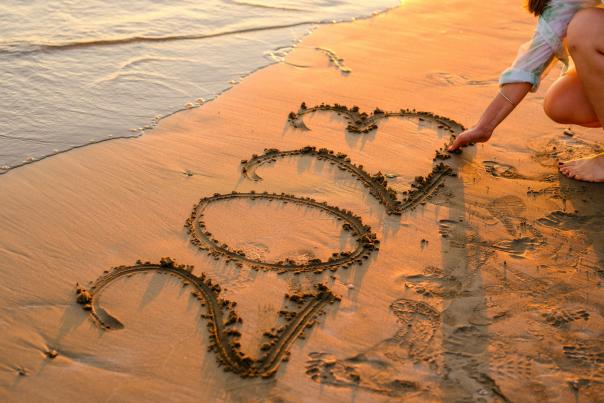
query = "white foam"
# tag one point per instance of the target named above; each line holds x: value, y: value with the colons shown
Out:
x: 103, y: 75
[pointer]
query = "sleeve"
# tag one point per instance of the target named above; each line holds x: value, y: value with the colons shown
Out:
x: 538, y: 55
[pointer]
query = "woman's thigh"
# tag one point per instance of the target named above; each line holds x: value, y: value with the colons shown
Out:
x: 566, y: 102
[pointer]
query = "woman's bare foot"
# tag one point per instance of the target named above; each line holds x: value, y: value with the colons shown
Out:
x: 590, y: 169
x: 470, y: 136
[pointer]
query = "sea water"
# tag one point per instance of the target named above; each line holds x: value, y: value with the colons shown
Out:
x: 76, y: 72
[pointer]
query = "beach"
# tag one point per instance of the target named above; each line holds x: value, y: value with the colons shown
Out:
x: 483, y: 284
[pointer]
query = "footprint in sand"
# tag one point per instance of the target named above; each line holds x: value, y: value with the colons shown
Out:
x: 562, y: 317
x: 564, y: 149
x: 434, y: 283
x: 502, y: 170
x: 564, y: 221
x: 394, y: 367
x: 588, y: 356
x: 509, y: 211
x: 442, y: 78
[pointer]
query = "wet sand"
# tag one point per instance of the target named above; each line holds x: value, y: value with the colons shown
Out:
x: 488, y: 288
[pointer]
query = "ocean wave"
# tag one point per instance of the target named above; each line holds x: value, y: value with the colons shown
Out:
x: 263, y: 5
x: 104, y: 89
x: 30, y: 47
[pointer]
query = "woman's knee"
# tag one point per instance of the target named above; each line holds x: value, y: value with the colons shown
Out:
x: 554, y: 103
x: 586, y: 31
x: 554, y: 109
x: 561, y: 112
x: 566, y: 102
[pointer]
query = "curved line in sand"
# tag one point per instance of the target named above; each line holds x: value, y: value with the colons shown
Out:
x: 421, y: 189
x: 366, y: 240
x: 334, y: 59
x: 362, y: 122
x: 221, y: 315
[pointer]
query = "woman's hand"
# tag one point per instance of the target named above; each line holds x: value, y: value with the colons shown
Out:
x: 504, y: 102
x: 475, y: 134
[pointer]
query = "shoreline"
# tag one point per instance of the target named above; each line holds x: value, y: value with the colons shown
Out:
x: 153, y: 122
x: 456, y: 304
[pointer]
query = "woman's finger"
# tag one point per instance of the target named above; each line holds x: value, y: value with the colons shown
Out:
x: 458, y: 142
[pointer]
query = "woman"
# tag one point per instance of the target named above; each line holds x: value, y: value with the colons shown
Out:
x: 577, y: 97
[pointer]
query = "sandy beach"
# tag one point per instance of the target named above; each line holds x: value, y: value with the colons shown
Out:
x: 324, y: 267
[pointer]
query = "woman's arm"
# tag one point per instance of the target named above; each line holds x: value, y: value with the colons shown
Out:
x: 525, y: 73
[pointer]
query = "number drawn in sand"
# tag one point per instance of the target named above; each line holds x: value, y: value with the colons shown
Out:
x: 366, y: 241
x: 222, y: 319
x: 362, y: 122
x: 421, y: 188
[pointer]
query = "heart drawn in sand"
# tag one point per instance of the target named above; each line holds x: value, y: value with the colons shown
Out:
x: 303, y: 308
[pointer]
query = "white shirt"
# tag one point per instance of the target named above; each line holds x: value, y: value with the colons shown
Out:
x: 537, y: 56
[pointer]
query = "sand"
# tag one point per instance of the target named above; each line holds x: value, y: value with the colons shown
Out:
x: 488, y: 288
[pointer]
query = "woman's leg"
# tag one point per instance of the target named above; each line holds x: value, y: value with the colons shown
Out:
x: 586, y: 44
x: 566, y: 102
